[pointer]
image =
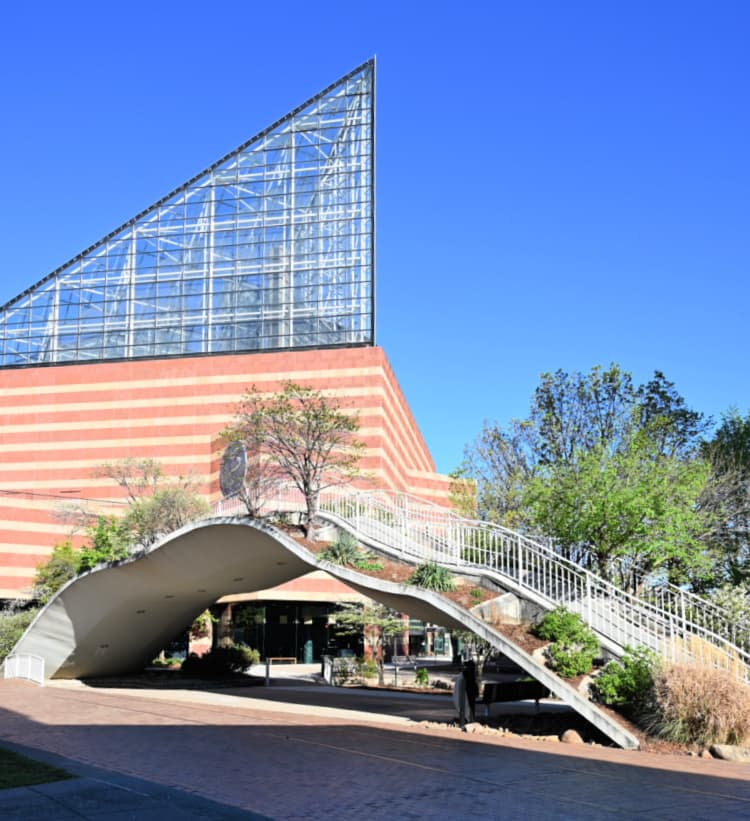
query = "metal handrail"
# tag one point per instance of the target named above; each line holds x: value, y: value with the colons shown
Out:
x: 416, y: 529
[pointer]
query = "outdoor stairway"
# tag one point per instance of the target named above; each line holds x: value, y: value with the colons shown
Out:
x: 678, y: 626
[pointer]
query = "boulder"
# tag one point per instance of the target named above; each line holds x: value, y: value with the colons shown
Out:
x: 571, y: 737
x: 728, y: 752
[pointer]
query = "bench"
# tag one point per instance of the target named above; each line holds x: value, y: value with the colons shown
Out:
x: 520, y: 690
x: 287, y: 659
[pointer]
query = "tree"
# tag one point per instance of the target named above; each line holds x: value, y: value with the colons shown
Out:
x: 490, y: 482
x: 726, y: 498
x: 62, y: 566
x: 157, y: 505
x: 109, y: 541
x: 304, y: 436
x: 609, y: 470
x: 168, y: 509
x: 376, y: 623
x: 137, y: 477
x: 571, y: 413
x: 626, y: 514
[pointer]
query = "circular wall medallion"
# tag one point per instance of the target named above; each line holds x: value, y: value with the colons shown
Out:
x: 233, y: 469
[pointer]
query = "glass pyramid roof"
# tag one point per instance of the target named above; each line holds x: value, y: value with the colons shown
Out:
x: 270, y: 248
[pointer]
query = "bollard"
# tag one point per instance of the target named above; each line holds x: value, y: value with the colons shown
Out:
x: 268, y: 673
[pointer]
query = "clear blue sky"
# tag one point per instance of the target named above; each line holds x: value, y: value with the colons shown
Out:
x: 558, y: 184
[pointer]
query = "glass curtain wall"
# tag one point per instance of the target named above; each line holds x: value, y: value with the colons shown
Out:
x: 270, y: 248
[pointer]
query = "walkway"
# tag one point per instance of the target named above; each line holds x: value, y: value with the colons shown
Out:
x: 299, y: 760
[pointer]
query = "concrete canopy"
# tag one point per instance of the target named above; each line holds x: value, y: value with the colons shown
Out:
x: 116, y: 618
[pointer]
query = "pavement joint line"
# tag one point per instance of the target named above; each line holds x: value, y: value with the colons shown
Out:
x: 118, y: 786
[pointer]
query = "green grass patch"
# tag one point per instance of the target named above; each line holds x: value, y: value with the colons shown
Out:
x: 18, y: 771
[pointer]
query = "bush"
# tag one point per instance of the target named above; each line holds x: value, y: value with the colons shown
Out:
x: 431, y: 576
x: 700, y: 705
x: 344, y: 550
x: 367, y: 668
x: 573, y: 645
x: 422, y: 677
x: 221, y: 661
x: 12, y: 626
x: 629, y: 683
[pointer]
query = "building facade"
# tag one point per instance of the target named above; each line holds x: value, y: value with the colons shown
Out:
x: 258, y: 270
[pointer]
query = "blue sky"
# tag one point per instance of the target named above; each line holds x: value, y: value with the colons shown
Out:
x: 559, y: 185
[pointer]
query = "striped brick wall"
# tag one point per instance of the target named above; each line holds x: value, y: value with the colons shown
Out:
x: 58, y: 423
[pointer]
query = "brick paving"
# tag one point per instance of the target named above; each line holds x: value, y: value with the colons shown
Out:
x: 300, y: 760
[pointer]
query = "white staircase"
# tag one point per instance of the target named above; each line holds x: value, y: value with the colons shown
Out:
x: 675, y: 624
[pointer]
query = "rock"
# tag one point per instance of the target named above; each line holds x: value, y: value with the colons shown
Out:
x: 472, y: 727
x: 704, y: 754
x: 727, y: 752
x: 584, y: 686
x: 571, y: 737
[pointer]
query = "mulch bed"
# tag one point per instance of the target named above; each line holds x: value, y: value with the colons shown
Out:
x: 399, y: 572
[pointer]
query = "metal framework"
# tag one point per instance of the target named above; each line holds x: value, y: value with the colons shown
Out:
x: 270, y: 248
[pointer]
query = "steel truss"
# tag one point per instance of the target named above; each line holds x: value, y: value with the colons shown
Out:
x: 270, y: 248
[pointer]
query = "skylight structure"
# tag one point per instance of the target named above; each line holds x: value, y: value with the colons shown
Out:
x: 270, y: 248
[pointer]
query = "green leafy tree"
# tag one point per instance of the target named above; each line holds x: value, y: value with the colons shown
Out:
x: 608, y: 470
x: 108, y: 542
x: 304, y: 436
x: 376, y: 623
x: 625, y: 513
x: 62, y: 566
x: 169, y: 508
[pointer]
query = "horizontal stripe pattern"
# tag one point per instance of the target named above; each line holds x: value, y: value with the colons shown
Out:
x: 58, y: 424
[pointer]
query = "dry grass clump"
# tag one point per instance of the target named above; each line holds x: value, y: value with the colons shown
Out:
x: 700, y: 705
x: 695, y: 650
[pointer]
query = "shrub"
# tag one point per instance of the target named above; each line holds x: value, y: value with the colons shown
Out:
x: 422, y: 677
x: 201, y: 627
x: 12, y: 625
x: 573, y: 645
x: 700, y: 705
x: 345, y: 550
x: 366, y: 561
x: 221, y: 661
x: 367, y: 668
x: 431, y: 576
x: 629, y: 683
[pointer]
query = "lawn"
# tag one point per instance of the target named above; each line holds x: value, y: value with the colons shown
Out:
x: 19, y: 771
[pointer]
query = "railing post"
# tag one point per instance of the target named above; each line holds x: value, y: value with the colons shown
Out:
x: 682, y: 610
x: 588, y: 599
x: 518, y: 561
x: 405, y: 526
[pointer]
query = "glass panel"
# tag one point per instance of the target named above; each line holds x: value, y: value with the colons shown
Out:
x: 271, y: 249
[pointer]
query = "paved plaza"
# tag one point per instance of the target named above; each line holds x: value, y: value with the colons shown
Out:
x: 307, y: 752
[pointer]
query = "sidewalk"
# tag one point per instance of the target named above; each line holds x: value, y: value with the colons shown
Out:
x: 306, y: 752
x: 95, y: 794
